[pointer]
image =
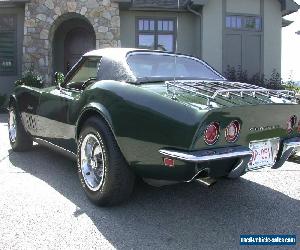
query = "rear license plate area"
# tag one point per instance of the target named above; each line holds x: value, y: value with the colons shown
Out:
x: 264, y: 153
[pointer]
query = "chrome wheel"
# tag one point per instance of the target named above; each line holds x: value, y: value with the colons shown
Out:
x: 12, y: 126
x: 92, y: 162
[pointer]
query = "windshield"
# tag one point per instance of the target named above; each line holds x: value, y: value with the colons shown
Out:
x: 158, y: 65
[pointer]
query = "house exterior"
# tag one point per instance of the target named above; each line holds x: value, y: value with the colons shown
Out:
x: 51, y: 35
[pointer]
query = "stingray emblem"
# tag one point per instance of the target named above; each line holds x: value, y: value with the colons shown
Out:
x: 264, y: 128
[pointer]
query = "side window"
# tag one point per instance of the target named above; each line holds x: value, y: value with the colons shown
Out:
x: 86, y: 72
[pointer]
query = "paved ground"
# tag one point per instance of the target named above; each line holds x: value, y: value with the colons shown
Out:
x: 43, y: 206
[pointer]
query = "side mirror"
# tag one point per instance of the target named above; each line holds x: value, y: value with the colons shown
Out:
x: 59, y: 78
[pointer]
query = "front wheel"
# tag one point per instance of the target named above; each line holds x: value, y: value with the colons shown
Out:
x: 104, y: 174
x: 19, y: 139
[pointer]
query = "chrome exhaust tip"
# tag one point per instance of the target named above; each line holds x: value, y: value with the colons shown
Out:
x: 207, y: 181
x: 204, y: 178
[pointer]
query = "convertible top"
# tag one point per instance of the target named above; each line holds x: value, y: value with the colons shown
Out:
x: 118, y: 54
x: 115, y: 65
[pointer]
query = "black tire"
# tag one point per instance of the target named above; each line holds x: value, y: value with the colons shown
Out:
x: 22, y: 141
x: 117, y: 179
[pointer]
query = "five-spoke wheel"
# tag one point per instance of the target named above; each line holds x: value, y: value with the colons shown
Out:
x: 92, y: 162
x: 19, y: 139
x: 104, y: 174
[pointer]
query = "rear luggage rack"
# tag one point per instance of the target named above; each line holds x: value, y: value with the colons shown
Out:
x: 213, y: 89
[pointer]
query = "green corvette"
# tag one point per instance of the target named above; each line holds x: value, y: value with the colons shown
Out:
x: 166, y: 118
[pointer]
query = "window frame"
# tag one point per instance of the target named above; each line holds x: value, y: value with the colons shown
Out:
x: 156, y: 32
x: 244, y: 17
x: 171, y: 54
x: 12, y: 30
x: 76, y: 68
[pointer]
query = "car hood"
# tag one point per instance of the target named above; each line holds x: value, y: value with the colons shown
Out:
x: 217, y: 95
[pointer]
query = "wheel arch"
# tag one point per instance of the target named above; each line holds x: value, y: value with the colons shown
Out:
x: 12, y: 100
x: 92, y: 110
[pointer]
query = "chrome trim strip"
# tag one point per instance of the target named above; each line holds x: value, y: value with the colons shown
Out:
x: 244, y: 154
x: 208, y: 155
x: 56, y: 148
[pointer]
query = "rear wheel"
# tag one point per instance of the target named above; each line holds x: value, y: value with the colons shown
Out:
x: 104, y: 174
x: 19, y: 139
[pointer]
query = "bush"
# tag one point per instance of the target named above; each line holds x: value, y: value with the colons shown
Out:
x: 292, y: 88
x: 291, y: 85
x: 258, y: 80
x: 239, y: 75
x: 230, y: 73
x: 242, y: 75
x: 30, y: 78
x: 275, y: 82
x: 236, y: 75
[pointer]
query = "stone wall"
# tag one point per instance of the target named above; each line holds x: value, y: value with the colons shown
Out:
x: 43, y: 17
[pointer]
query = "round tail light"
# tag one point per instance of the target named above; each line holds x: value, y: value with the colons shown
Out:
x: 291, y: 123
x: 212, y: 133
x: 232, y: 131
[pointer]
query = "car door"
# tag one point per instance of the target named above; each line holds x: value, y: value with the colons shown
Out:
x: 58, y: 104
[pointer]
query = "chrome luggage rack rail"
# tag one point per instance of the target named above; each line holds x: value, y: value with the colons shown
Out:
x: 227, y: 89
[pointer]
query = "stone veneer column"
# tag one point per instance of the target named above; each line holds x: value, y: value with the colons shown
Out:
x: 42, y: 17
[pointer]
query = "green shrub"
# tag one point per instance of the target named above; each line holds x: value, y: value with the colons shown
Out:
x: 239, y: 75
x: 242, y: 75
x: 30, y: 78
x: 292, y: 88
x: 258, y: 80
x: 230, y: 73
x: 275, y: 82
x: 291, y: 85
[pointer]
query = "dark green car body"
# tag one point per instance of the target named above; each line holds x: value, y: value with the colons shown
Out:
x: 147, y: 117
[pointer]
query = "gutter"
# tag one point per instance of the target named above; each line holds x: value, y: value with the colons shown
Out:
x: 188, y: 5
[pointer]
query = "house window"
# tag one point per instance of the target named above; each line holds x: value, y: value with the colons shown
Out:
x: 251, y: 23
x: 156, y: 34
x: 8, y: 45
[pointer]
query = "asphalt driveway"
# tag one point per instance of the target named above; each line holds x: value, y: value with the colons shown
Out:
x: 43, y: 206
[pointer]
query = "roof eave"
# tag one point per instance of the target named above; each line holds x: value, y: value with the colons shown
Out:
x: 286, y: 22
x: 151, y: 5
x: 288, y: 7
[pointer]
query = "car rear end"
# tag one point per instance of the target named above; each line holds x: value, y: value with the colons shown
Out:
x: 244, y: 132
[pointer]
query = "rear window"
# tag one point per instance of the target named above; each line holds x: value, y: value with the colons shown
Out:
x: 146, y: 65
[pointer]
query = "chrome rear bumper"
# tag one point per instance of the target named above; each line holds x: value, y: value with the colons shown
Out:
x: 243, y: 154
x: 290, y: 147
